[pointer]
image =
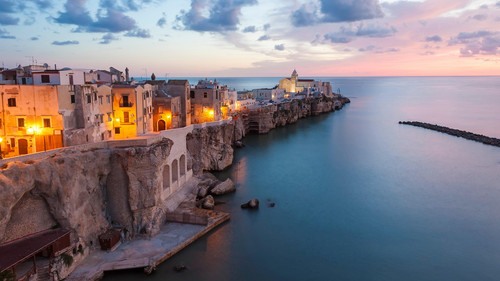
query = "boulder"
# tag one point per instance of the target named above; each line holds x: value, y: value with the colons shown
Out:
x: 239, y: 144
x: 224, y: 187
x: 208, y: 203
x: 252, y: 204
x: 202, y: 191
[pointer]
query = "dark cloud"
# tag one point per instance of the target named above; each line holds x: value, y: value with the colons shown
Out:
x: 347, y: 34
x: 477, y: 43
x: 337, y: 11
x: 435, y: 38
x: 107, y: 38
x: 34, y: 38
x: 110, y: 16
x: 367, y: 48
x: 266, y: 26
x: 251, y: 28
x: 264, y: 37
x: 162, y: 21
x: 480, y: 17
x: 140, y: 33
x: 279, y: 47
x: 304, y: 17
x: 223, y: 15
x: 497, y: 4
x: 64, y: 43
x: 29, y: 21
x: 375, y: 31
x: 6, y: 19
x: 337, y: 37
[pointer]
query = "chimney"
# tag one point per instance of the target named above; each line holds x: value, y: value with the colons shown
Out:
x: 126, y: 74
x: 55, y: 66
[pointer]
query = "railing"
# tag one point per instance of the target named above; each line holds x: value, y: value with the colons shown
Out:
x: 126, y: 104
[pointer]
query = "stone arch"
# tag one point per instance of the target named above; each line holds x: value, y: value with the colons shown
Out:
x: 182, y: 164
x: 175, y: 170
x: 161, y: 125
x: 166, y: 176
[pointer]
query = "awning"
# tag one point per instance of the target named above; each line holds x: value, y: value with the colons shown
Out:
x: 19, y: 250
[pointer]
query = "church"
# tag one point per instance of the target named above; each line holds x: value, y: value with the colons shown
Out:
x: 307, y: 86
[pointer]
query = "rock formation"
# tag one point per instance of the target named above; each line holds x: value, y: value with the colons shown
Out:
x: 224, y: 187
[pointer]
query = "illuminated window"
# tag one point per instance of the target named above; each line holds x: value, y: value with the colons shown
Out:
x: 46, y: 123
x: 20, y: 122
x: 11, y: 102
x: 125, y: 117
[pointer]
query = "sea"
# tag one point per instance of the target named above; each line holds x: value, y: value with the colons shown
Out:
x: 357, y: 195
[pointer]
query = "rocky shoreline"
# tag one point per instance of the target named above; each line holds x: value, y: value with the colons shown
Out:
x: 454, y: 132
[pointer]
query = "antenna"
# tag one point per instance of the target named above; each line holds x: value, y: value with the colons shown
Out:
x: 32, y: 59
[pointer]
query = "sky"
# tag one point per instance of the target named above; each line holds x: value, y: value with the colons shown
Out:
x: 222, y: 38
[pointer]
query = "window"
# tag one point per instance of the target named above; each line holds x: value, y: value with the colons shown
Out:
x: 89, y: 99
x: 0, y: 123
x: 11, y: 102
x: 46, y: 123
x: 160, y: 109
x: 205, y: 94
x: 117, y: 130
x: 108, y: 99
x: 20, y: 122
x: 95, y: 96
x: 125, y: 117
x: 102, y: 136
x: 12, y: 142
x: 101, y: 118
x: 45, y: 79
x: 98, y: 76
x: 192, y: 94
x: 72, y: 98
x: 144, y: 111
x: 100, y: 100
x: 23, y: 81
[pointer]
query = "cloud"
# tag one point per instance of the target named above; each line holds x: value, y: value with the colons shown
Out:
x: 4, y: 34
x: 336, y: 11
x: 34, y: 38
x: 337, y: 37
x: 264, y: 37
x: 251, y: 28
x: 6, y: 19
x: 63, y: 43
x: 10, y: 7
x: 212, y: 15
x: 279, y: 47
x: 480, y: 17
x: 107, y: 38
x: 162, y: 21
x: 140, y: 33
x: 378, y: 50
x: 477, y: 43
x: 348, y: 34
x: 124, y: 5
x: 435, y: 38
x: 375, y: 31
x: 266, y: 26
x: 108, y: 20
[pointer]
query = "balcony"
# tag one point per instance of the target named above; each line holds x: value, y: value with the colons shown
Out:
x: 126, y: 104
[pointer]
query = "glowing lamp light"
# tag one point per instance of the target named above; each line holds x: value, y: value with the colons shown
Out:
x: 1, y: 139
x: 211, y: 112
x: 168, y: 116
x: 117, y: 119
x: 30, y: 131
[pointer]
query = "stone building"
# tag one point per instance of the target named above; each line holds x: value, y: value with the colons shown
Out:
x: 30, y: 120
x: 166, y: 111
x: 309, y: 87
x: 181, y: 89
x: 207, y: 98
x: 132, y: 110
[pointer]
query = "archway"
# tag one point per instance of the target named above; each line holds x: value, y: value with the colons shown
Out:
x: 166, y: 177
x: 161, y: 125
x: 23, y: 146
x: 175, y: 171
x: 182, y: 163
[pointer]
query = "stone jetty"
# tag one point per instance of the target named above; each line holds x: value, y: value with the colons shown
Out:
x: 454, y: 132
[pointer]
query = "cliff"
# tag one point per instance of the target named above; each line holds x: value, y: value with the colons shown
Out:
x: 264, y: 119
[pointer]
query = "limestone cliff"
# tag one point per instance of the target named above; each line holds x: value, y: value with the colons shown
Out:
x: 210, y: 147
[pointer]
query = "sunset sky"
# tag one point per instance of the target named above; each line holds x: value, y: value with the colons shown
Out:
x: 255, y: 37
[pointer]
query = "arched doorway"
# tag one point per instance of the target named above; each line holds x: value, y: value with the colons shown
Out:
x: 161, y: 125
x: 23, y: 146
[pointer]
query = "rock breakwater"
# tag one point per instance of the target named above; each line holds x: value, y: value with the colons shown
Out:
x: 454, y: 132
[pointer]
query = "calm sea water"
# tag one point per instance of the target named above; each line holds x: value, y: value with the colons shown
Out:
x: 360, y: 197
